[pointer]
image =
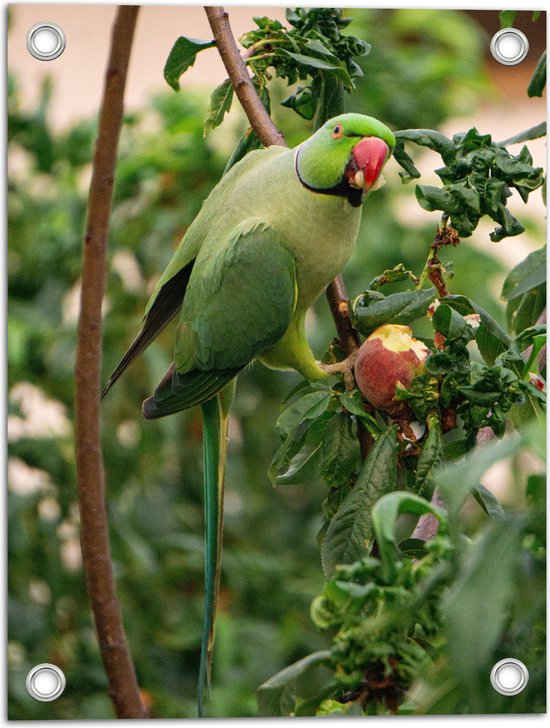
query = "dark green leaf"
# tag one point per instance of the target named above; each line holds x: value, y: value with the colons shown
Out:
x: 181, y: 57
x: 220, y: 105
x: 397, y: 308
x: 429, y: 460
x: 434, y: 198
x: 525, y: 310
x: 431, y: 139
x: 297, y: 461
x: 317, y: 64
x: 340, y: 458
x: 403, y: 159
x: 535, y: 132
x: 488, y: 501
x: 307, y: 407
x: 538, y: 80
x: 350, y: 535
x: 477, y: 606
x: 448, y: 322
x: 528, y: 274
x: 491, y: 338
x: 290, y: 691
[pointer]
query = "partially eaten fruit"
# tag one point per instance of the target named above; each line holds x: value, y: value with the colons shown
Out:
x: 389, y: 356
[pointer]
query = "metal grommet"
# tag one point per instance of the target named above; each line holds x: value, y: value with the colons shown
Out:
x: 45, y: 682
x: 509, y: 676
x: 509, y: 46
x: 45, y: 41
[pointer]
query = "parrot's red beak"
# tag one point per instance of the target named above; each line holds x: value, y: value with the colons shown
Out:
x: 368, y: 157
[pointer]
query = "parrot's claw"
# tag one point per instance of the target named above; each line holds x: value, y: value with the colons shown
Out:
x: 345, y: 368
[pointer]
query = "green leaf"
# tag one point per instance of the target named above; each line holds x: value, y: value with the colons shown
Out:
x: 456, y: 480
x: 491, y: 338
x: 535, y: 132
x: 524, y: 311
x: 337, y: 70
x: 488, y: 501
x: 432, y: 198
x: 429, y: 460
x: 181, y: 57
x: 340, y: 457
x: 476, y: 607
x: 307, y: 407
x: 448, y: 322
x: 384, y: 517
x: 297, y: 689
x: 538, y: 80
x: 220, y: 105
x: 431, y: 139
x: 397, y: 308
x: 507, y: 18
x: 350, y: 535
x: 528, y: 274
x: 297, y: 462
x: 403, y: 159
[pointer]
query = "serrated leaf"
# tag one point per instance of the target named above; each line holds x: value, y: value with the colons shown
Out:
x: 528, y: 274
x: 181, y: 57
x: 307, y: 407
x: 298, y: 462
x: 220, y: 105
x: 340, y: 457
x: 290, y: 691
x: 397, y: 308
x: 350, y: 534
x: 429, y: 460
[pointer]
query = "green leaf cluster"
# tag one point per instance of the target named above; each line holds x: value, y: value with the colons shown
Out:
x: 478, y: 178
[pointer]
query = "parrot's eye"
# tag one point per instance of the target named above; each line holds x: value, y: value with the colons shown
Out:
x: 337, y: 131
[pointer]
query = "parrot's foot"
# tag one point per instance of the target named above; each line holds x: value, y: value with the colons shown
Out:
x: 345, y: 368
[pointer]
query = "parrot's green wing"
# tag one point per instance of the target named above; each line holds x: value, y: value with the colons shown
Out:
x: 238, y: 303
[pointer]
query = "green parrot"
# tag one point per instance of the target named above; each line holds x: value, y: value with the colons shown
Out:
x: 270, y: 237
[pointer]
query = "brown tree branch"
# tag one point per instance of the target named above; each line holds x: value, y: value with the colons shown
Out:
x: 242, y: 84
x: 123, y: 687
x: 261, y: 122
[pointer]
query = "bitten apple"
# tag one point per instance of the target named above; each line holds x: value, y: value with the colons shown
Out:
x: 390, y: 355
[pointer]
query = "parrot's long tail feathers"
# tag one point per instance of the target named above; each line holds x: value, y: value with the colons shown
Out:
x: 215, y: 422
x: 165, y: 307
x: 180, y: 391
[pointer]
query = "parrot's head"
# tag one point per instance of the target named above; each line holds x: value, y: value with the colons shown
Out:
x: 345, y: 157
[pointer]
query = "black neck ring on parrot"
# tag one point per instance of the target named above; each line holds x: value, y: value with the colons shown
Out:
x: 354, y: 195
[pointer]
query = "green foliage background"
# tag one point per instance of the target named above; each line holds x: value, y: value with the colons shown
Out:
x: 271, y: 565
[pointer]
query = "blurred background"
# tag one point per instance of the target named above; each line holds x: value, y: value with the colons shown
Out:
x: 427, y: 69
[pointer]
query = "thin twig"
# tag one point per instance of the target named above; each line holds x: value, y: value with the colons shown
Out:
x: 268, y: 133
x: 123, y: 687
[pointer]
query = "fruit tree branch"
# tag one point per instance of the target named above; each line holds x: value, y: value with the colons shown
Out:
x: 123, y: 687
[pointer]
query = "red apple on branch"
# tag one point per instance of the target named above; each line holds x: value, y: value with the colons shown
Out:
x: 389, y: 356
